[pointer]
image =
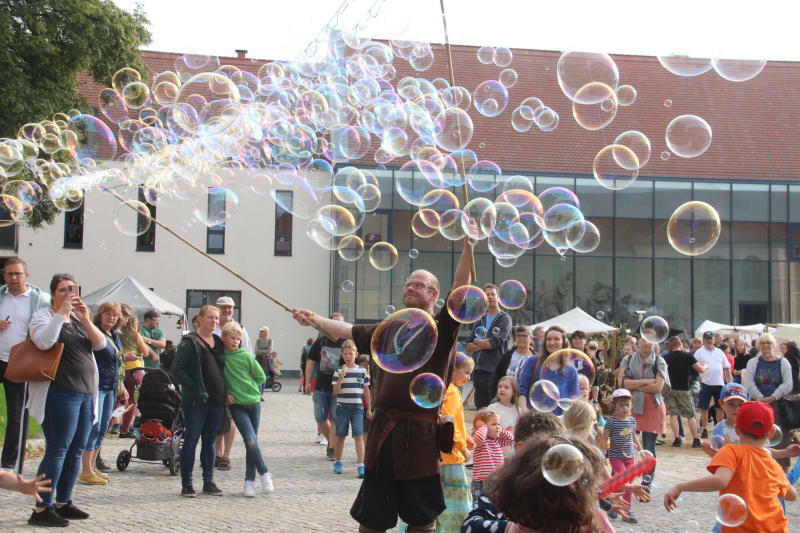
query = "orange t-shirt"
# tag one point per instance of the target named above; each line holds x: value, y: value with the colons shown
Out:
x: 759, y: 481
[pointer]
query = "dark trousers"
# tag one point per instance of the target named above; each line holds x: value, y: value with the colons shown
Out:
x: 202, y: 422
x: 482, y: 382
x: 15, y: 404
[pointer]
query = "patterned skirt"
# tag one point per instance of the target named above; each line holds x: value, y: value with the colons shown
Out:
x: 457, y: 498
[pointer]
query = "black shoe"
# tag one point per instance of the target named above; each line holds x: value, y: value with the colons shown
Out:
x: 659, y: 442
x: 71, y: 512
x: 612, y: 515
x: 128, y: 435
x: 677, y: 442
x: 331, y: 454
x: 696, y: 443
x: 47, y: 518
x: 101, y: 465
x: 704, y: 435
x: 211, y: 489
x: 187, y: 491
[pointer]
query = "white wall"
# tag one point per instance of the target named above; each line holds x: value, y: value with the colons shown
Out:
x: 301, y: 280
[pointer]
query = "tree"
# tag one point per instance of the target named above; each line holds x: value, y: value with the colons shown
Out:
x: 45, y: 44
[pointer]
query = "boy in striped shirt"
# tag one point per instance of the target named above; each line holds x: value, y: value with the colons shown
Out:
x: 351, y: 388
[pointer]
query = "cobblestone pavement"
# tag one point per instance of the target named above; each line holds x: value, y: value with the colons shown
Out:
x: 308, y: 496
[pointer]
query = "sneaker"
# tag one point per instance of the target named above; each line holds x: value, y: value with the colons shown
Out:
x: 337, y: 467
x: 323, y: 441
x: 211, y: 489
x: 630, y: 519
x: 677, y: 442
x: 70, y: 511
x: 114, y: 430
x: 361, y: 471
x: 47, y: 518
x: 266, y: 483
x: 613, y: 515
x: 331, y: 454
x: 696, y: 443
x: 92, y: 479
x: 128, y: 435
x: 704, y: 435
x: 101, y: 466
x: 224, y: 464
x: 249, y: 489
x: 187, y: 491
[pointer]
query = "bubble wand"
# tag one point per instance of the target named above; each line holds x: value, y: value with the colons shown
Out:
x: 621, y: 478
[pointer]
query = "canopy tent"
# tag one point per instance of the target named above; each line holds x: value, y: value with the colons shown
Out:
x: 724, y: 329
x: 576, y: 319
x: 134, y: 293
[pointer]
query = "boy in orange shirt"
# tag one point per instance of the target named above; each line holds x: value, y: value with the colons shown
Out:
x: 747, y: 470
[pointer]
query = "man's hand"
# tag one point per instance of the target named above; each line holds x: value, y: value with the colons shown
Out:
x: 768, y: 400
x: 302, y: 316
x: 471, y: 348
x: 4, y: 324
x: 130, y: 356
x: 308, y: 389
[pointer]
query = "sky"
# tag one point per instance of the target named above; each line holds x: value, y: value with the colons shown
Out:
x: 282, y: 29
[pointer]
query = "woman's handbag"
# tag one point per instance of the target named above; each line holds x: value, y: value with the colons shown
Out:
x: 26, y: 362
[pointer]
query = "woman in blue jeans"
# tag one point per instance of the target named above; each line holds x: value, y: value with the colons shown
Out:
x: 198, y: 367
x: 66, y: 406
x: 243, y: 375
x: 109, y: 362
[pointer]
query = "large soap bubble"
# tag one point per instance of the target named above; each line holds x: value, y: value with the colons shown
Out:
x: 685, y: 65
x: 615, y: 167
x: 562, y: 368
x: 467, y: 304
x: 562, y: 464
x: 731, y: 510
x: 654, y: 329
x: 512, y: 294
x: 383, y: 256
x: 427, y: 390
x: 738, y: 69
x: 544, y: 396
x: 688, y: 136
x: 577, y: 69
x: 694, y: 228
x: 404, y: 340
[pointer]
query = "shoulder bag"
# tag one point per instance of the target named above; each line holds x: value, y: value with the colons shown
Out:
x: 26, y: 362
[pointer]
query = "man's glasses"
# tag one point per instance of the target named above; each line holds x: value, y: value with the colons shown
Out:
x: 416, y: 285
x: 13, y: 274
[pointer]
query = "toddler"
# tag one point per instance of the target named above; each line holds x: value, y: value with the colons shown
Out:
x: 620, y: 441
x: 489, y: 437
x: 505, y: 405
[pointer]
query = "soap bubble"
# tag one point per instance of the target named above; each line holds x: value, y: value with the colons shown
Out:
x: 583, y: 237
x: 626, y: 95
x: 425, y: 223
x: 643, y: 454
x: 440, y: 302
x: 738, y: 69
x: 216, y: 207
x: 383, y: 256
x: 775, y: 436
x: 694, y: 228
x: 717, y: 442
x: 485, y: 54
x: 577, y: 69
x: 495, y: 331
x: 389, y: 310
x: 638, y: 143
x: 684, y: 65
x: 508, y: 78
x: 453, y: 129
x: 561, y: 216
x: 731, y: 510
x: 512, y: 294
x: 688, y: 136
x: 601, y: 315
x: 348, y: 285
x: 595, y: 106
x: 667, y: 103
x: 544, y: 396
x: 490, y: 98
x: 413, y: 253
x: 615, y: 167
x: 480, y: 332
x: 502, y: 56
x: 664, y: 155
x: 132, y: 218
x: 352, y: 248
x: 404, y: 340
x: 654, y: 329
x: 565, y: 403
x: 467, y: 304
x: 562, y: 464
x: 93, y: 137
x: 562, y: 368
x: 427, y: 390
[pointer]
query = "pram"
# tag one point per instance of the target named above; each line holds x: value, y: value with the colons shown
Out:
x: 273, y: 373
x: 160, y: 436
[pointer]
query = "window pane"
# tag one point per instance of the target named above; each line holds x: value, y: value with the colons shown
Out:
x: 750, y: 202
x: 779, y: 203
x: 596, y: 200
x: 373, y: 291
x: 670, y: 195
x: 375, y: 229
x: 633, y: 284
x: 606, y: 228
x: 778, y: 241
x: 73, y: 227
x: 344, y: 301
x: 283, y: 222
x: 673, y: 292
x: 636, y: 201
x: 750, y: 240
x: 794, y: 203
x: 780, y: 292
x: 794, y: 292
x: 718, y: 195
x: 721, y: 250
x: 711, y: 292
x: 661, y: 243
x: 593, y: 284
x: 553, y: 287
x: 545, y: 182
x: 633, y: 237
x: 750, y: 292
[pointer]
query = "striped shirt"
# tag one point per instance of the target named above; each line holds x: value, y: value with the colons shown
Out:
x: 488, y: 455
x: 621, y: 434
x: 353, y: 385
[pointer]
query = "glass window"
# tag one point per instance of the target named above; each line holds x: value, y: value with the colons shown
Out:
x: 553, y: 294
x: 636, y: 201
x: 342, y: 300
x: 672, y: 284
x: 778, y: 241
x: 750, y: 202
x: 594, y: 284
x: 750, y: 240
x: 283, y: 223
x: 750, y: 292
x: 633, y: 237
x: 661, y: 243
x: 484, y: 268
x: 8, y: 235
x: 779, y: 203
x: 215, y: 235
x: 711, y: 294
x: 670, y: 195
x: 146, y: 242
x: 606, y: 228
x: 718, y: 195
x: 545, y: 182
x: 73, y: 228
x: 633, y: 288
x: 596, y: 200
x: 794, y: 292
x: 794, y: 203
x: 373, y: 291
x: 195, y: 299
x: 779, y: 279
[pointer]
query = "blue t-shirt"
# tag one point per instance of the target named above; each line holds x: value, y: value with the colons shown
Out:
x: 767, y: 376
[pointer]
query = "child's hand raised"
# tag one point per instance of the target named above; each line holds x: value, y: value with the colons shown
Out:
x: 33, y: 487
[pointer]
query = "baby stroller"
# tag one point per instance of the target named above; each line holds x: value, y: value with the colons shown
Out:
x: 273, y: 372
x: 160, y: 435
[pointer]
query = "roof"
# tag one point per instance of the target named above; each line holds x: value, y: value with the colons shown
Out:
x: 576, y: 319
x: 754, y: 123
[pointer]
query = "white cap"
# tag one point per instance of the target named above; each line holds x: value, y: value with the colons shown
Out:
x: 225, y: 300
x: 621, y: 393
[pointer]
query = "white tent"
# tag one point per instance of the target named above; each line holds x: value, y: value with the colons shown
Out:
x: 574, y: 320
x: 132, y: 292
x: 725, y: 329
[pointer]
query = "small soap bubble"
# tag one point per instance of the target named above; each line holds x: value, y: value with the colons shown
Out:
x: 495, y: 331
x: 667, y: 103
x: 383, y: 256
x: 348, y: 285
x: 775, y: 436
x: 427, y: 390
x: 644, y: 454
x: 717, y: 442
x: 512, y: 294
x: 390, y: 309
x: 562, y: 464
x: 654, y: 329
x: 413, y: 253
x: 439, y: 302
x: 480, y: 332
x: 731, y: 510
x: 600, y: 315
x: 544, y: 396
x: 694, y: 228
x: 664, y: 155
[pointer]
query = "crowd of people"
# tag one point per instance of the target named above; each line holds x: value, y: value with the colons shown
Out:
x: 424, y: 468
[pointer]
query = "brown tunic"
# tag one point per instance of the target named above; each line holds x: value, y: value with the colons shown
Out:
x: 411, y: 427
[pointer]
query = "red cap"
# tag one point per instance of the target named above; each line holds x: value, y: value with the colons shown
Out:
x: 755, y: 418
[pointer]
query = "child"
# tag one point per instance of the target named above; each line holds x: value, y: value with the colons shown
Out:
x: 351, y: 388
x: 580, y: 420
x: 748, y: 471
x: 590, y: 394
x: 32, y: 487
x: 621, y: 430
x: 455, y: 486
x: 505, y: 405
x: 243, y: 377
x: 732, y: 396
x: 489, y: 437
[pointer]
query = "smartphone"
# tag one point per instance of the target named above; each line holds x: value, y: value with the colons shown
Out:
x: 74, y: 290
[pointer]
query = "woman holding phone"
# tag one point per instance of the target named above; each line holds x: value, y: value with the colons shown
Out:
x: 65, y: 406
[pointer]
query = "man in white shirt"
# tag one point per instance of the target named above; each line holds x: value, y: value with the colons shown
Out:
x: 716, y: 375
x: 18, y: 302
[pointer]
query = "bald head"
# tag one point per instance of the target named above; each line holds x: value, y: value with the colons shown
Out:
x: 421, y: 290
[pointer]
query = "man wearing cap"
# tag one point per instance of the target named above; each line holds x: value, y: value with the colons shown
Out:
x: 717, y: 374
x: 225, y: 304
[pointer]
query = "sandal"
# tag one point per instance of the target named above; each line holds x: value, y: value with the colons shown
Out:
x: 224, y: 464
